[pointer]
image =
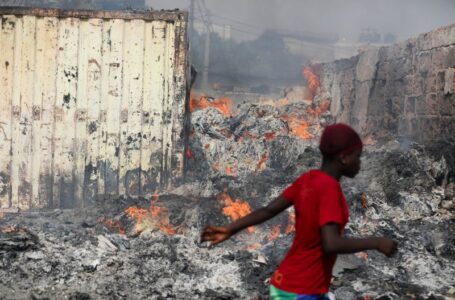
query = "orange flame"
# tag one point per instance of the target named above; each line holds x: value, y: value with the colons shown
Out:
x: 298, y: 127
x: 223, y: 104
x: 114, y: 225
x: 154, y: 217
x: 291, y: 223
x: 235, y: 209
x: 275, y: 233
x: 323, y: 106
x: 313, y: 81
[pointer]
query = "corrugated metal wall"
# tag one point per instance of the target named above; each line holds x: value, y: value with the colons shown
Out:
x: 92, y: 103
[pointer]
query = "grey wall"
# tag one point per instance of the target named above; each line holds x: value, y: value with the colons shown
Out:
x: 405, y: 90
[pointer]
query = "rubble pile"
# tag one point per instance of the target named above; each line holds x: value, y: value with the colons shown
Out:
x: 126, y: 248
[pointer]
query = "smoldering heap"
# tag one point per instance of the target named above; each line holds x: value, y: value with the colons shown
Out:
x: 239, y: 158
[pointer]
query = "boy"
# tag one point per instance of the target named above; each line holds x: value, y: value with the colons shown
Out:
x: 321, y: 215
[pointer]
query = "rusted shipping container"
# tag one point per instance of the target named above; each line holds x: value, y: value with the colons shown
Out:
x: 91, y: 103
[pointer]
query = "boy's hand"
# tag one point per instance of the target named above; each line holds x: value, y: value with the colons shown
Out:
x: 387, y: 246
x: 215, y: 235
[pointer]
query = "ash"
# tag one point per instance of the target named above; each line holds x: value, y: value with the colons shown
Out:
x: 148, y: 248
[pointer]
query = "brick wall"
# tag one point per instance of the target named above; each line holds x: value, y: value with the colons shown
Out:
x: 406, y: 90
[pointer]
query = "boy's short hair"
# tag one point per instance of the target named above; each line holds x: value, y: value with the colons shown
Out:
x: 338, y: 139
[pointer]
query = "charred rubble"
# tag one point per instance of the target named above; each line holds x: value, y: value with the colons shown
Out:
x: 241, y: 155
x: 148, y: 248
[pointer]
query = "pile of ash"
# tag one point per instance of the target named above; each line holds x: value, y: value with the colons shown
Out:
x: 148, y: 248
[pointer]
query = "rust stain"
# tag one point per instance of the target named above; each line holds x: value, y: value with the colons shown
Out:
x: 169, y: 15
x: 94, y: 61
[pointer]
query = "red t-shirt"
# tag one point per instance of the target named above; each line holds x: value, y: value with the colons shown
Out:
x: 318, y: 200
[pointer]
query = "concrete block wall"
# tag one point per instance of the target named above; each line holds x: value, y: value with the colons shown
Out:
x: 406, y: 90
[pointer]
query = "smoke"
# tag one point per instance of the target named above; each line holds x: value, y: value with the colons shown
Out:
x: 347, y: 18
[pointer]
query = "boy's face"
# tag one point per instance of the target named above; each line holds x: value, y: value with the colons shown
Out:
x: 351, y: 163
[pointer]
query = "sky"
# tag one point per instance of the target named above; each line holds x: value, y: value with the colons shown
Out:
x: 347, y: 18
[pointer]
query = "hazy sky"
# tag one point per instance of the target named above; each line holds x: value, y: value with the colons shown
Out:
x: 405, y: 18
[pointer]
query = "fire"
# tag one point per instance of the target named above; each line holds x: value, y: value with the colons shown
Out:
x: 261, y: 164
x: 235, y: 209
x: 223, y: 104
x: 275, y: 233
x: 313, y: 81
x: 291, y: 223
x: 298, y: 127
x: 114, y: 225
x: 323, y: 106
x: 155, y: 217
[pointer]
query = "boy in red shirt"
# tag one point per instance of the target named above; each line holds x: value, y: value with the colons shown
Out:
x: 321, y: 215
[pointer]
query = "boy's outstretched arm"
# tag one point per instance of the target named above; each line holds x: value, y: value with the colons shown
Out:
x: 216, y: 235
x: 333, y: 242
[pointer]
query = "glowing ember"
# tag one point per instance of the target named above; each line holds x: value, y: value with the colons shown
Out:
x: 323, y: 106
x: 275, y: 233
x: 155, y: 217
x: 114, y: 225
x: 235, y: 209
x: 298, y: 127
x: 262, y: 162
x: 313, y: 81
x: 291, y: 223
x: 224, y: 104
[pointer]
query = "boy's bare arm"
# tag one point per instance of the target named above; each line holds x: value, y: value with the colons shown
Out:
x: 333, y: 242
x: 216, y: 235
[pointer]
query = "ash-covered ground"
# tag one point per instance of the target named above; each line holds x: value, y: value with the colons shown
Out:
x: 148, y: 248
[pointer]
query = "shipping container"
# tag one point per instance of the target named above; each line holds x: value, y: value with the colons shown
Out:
x: 92, y: 104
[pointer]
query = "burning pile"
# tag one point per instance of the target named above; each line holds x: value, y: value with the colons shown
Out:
x: 239, y: 158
